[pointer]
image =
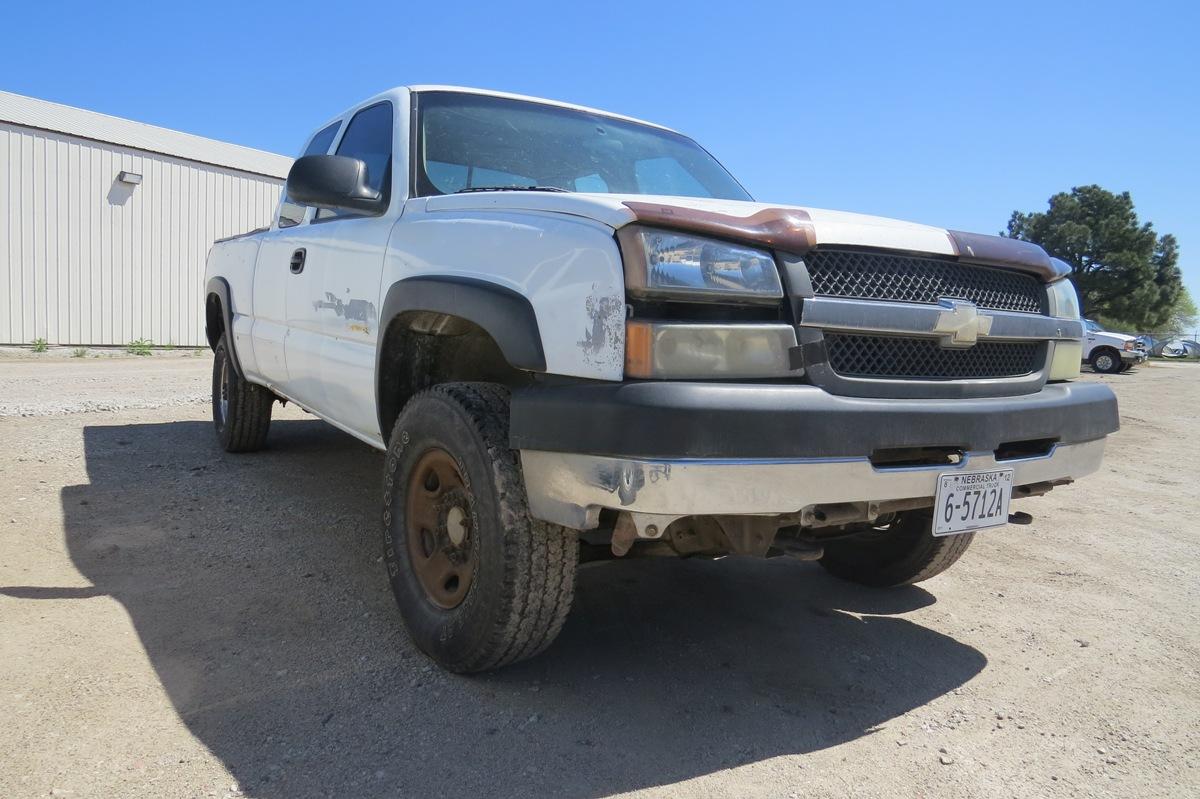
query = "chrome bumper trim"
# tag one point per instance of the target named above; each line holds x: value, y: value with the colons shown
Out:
x: 570, y: 489
x: 905, y: 318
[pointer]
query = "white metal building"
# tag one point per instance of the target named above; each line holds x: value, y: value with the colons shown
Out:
x: 105, y: 223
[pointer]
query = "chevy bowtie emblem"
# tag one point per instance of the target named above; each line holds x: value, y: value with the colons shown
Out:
x: 961, y: 324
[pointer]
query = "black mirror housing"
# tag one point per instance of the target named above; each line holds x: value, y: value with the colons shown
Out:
x: 333, y: 181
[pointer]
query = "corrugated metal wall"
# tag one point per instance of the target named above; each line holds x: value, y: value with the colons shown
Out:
x: 87, y: 260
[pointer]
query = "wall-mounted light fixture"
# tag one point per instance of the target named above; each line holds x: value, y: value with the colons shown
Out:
x: 132, y: 178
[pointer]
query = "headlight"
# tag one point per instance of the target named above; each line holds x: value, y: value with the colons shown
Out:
x: 1130, y: 346
x: 1066, y: 355
x: 674, y: 351
x: 1064, y: 301
x: 661, y: 264
x: 1065, y: 360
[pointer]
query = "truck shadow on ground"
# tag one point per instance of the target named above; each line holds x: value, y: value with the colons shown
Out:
x: 255, y: 586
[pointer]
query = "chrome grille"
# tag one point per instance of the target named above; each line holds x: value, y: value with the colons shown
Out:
x: 906, y: 278
x: 853, y: 355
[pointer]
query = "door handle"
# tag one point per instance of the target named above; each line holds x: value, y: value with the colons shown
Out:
x: 297, y: 264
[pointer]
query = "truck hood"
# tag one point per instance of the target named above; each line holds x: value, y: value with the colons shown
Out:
x: 790, y: 228
x: 1119, y: 338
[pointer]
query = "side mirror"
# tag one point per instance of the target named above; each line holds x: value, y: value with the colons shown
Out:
x: 333, y: 181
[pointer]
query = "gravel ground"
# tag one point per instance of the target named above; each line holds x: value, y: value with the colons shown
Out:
x: 179, y: 622
x: 55, y: 383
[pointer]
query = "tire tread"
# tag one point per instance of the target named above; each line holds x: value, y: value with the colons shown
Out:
x: 906, y: 555
x: 249, y: 408
x: 944, y: 553
x: 540, y: 558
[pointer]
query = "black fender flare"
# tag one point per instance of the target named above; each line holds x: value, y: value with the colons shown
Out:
x: 219, y: 287
x: 505, y: 315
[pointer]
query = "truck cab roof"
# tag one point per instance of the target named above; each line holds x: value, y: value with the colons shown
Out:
x: 434, y: 87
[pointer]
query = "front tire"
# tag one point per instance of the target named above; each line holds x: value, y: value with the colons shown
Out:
x: 903, y: 553
x: 1106, y: 361
x: 241, y: 410
x: 479, y: 582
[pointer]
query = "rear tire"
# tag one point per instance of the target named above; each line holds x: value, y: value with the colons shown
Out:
x: 1106, y: 361
x: 906, y: 552
x: 241, y: 410
x: 479, y: 582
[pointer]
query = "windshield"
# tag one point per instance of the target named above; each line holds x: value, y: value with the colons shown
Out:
x: 1092, y: 327
x: 472, y: 142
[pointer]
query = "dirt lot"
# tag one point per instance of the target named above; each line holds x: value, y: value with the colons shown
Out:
x: 175, y: 621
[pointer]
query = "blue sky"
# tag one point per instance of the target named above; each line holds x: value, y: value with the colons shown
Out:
x: 951, y: 114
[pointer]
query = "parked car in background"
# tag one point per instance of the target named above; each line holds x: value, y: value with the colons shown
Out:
x: 1111, y: 352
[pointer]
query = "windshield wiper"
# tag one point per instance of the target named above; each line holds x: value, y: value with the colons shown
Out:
x: 510, y: 188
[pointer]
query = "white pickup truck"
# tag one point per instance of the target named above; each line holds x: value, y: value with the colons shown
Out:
x: 1111, y: 352
x: 578, y: 338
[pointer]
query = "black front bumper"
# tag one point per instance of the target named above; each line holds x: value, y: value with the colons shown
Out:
x: 672, y: 420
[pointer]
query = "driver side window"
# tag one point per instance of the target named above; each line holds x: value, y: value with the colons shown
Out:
x: 368, y: 138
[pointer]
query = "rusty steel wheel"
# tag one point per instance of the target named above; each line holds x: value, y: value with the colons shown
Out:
x: 479, y: 582
x: 441, y: 548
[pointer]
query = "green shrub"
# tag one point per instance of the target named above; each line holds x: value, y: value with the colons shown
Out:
x: 39, y: 345
x: 79, y: 352
x: 140, y: 346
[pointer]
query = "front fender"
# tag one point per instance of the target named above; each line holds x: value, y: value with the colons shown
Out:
x: 505, y: 315
x: 567, y: 268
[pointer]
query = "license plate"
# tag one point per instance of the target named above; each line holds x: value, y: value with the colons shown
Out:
x: 971, y: 500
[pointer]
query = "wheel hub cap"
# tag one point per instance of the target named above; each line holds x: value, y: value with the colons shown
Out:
x: 456, y: 525
x: 441, y: 547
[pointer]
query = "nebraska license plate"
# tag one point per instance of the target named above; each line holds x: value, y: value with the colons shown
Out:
x: 971, y: 500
